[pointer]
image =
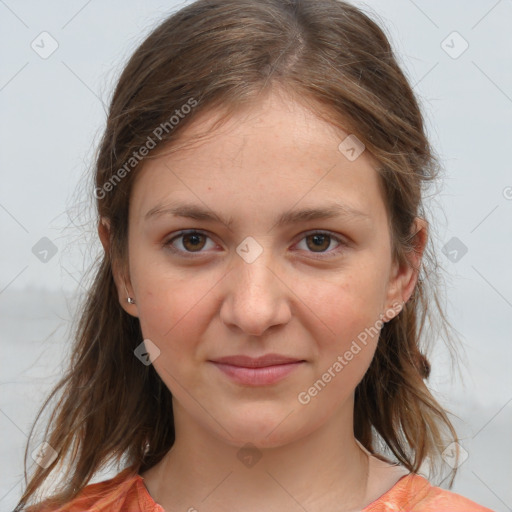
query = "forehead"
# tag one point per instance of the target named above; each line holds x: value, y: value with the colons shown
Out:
x: 279, y: 118
x: 276, y: 152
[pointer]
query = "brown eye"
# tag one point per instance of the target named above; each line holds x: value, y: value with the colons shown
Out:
x: 319, y: 242
x: 193, y: 242
x: 188, y: 242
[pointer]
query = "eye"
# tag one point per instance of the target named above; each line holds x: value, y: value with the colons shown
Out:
x: 322, y: 241
x: 191, y: 242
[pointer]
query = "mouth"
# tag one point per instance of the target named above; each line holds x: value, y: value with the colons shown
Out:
x: 260, y: 371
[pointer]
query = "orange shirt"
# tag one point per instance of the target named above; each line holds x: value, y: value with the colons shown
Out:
x: 126, y: 492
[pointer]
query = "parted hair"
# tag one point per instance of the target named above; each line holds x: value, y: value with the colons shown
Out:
x: 224, y: 54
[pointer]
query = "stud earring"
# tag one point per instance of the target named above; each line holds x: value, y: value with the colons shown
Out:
x: 128, y: 298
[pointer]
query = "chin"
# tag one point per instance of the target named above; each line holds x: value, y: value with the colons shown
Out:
x: 269, y: 428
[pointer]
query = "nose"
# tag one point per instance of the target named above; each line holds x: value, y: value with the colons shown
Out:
x: 256, y: 296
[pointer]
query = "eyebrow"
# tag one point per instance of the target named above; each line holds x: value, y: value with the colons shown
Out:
x: 191, y: 211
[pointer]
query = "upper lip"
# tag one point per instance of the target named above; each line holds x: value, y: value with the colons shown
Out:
x: 256, y: 362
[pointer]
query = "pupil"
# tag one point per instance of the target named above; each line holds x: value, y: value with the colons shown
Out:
x: 195, y: 240
x: 318, y: 239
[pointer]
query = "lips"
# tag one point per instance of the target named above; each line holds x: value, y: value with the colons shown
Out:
x: 256, y: 362
x: 259, y: 371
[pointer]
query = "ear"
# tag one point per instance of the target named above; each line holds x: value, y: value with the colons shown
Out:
x: 403, y: 278
x: 122, y: 282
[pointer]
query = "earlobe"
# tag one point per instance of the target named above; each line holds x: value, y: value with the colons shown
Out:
x: 129, y: 299
x: 126, y: 299
x: 419, y: 241
x: 405, y: 276
x: 125, y: 292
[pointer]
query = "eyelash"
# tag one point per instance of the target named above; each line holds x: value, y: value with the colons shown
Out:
x: 189, y: 254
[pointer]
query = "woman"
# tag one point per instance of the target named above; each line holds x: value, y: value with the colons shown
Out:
x: 252, y: 340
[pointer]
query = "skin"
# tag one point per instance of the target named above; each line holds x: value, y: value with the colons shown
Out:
x: 297, y: 299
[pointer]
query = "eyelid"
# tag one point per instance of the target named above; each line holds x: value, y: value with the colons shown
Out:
x: 168, y: 242
x: 341, y: 241
x: 320, y: 255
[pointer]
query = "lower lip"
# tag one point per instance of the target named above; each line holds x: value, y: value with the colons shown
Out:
x: 258, y: 376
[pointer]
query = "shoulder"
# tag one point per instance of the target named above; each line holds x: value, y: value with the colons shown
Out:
x: 414, y: 493
x: 123, y: 493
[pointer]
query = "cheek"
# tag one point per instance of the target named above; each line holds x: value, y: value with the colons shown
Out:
x: 342, y: 358
x: 173, y: 318
x: 346, y: 327
x: 173, y: 312
x: 343, y: 304
x: 165, y: 296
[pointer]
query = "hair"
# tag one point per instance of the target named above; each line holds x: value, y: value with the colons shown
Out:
x: 225, y: 54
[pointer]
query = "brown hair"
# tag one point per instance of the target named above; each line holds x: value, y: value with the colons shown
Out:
x: 224, y: 54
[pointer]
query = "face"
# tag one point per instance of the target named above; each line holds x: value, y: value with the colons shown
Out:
x: 265, y: 311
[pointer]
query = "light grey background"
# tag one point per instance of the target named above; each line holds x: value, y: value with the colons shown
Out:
x: 52, y: 114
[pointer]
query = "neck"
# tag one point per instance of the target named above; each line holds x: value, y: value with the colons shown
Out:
x: 326, y: 469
